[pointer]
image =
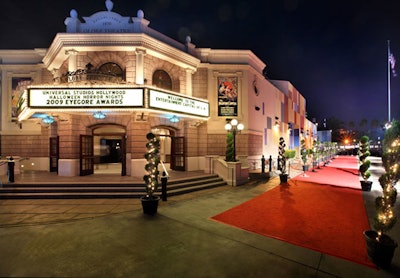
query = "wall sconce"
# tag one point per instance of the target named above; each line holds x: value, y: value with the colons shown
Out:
x: 174, y: 119
x: 48, y: 120
x: 99, y: 115
x: 277, y: 121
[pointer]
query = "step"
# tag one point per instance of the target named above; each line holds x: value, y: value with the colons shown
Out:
x: 56, y: 189
x: 71, y: 195
x: 104, y: 190
x: 184, y: 190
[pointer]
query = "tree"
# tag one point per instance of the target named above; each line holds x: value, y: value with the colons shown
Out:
x: 334, y: 124
x: 363, y: 154
x: 391, y: 134
x: 229, y: 154
x: 385, y: 218
x: 153, y: 159
x: 282, y: 156
x: 352, y: 125
x: 363, y: 124
x: 374, y: 124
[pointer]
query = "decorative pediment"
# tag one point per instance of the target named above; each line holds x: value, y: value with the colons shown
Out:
x: 105, y: 22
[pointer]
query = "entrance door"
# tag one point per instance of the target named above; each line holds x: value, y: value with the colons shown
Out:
x: 87, y: 155
x: 178, y: 153
x: 54, y: 154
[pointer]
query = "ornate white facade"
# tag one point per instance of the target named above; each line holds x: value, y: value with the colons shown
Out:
x: 141, y: 81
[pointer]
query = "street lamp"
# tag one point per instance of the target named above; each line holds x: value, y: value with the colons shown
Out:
x: 234, y: 127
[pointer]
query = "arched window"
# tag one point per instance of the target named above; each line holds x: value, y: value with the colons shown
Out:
x: 162, y: 80
x: 112, y: 68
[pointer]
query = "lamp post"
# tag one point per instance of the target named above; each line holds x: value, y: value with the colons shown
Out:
x: 233, y: 126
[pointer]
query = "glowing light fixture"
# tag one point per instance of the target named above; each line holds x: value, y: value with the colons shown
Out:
x: 99, y: 115
x: 277, y: 122
x: 174, y: 119
x: 48, y: 120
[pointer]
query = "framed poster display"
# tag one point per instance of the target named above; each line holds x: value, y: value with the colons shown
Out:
x: 227, y: 96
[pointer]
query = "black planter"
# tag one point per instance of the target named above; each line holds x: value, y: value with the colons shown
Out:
x: 380, y: 252
x: 150, y: 205
x: 283, y: 178
x: 366, y: 185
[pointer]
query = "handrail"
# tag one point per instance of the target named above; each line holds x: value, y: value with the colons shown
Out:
x: 165, y: 169
x: 4, y: 161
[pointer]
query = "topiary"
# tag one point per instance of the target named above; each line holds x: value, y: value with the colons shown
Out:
x: 281, y: 156
x: 363, y: 154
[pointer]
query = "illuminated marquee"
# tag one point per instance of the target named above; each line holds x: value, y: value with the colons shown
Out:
x: 179, y: 104
x: 85, y: 98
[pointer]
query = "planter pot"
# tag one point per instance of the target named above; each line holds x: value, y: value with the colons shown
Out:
x: 283, y: 178
x: 366, y: 185
x: 150, y: 205
x: 380, y: 252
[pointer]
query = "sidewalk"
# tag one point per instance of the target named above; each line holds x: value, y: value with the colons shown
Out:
x: 113, y: 238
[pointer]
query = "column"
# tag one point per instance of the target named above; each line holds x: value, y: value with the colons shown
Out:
x: 56, y: 76
x: 189, y: 74
x: 72, y: 62
x: 140, y: 53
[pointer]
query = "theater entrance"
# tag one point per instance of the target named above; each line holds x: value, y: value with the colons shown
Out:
x: 104, y: 152
x: 172, y: 148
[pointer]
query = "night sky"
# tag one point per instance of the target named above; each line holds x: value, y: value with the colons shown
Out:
x: 333, y: 51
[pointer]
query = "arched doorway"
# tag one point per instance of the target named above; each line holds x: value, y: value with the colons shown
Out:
x: 109, y: 149
x: 172, y: 148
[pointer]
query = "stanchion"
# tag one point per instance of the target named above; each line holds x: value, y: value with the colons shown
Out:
x: 10, y: 171
x: 262, y: 164
x: 164, y: 180
x: 270, y: 163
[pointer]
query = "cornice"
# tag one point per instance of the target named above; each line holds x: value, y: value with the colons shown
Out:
x: 114, y: 42
x: 230, y: 56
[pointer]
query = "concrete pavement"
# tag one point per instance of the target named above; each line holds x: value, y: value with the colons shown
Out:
x: 113, y: 238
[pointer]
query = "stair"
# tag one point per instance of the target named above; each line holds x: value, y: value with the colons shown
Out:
x: 105, y: 190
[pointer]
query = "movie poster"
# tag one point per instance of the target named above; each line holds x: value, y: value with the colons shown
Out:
x: 227, y: 96
x: 19, y: 85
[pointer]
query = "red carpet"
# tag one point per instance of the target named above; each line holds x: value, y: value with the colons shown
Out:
x: 346, y: 163
x: 328, y: 219
x: 342, y: 172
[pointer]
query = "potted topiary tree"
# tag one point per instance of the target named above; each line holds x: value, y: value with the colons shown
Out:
x: 380, y: 246
x: 304, y: 154
x: 282, y: 161
x: 229, y: 154
x: 365, y: 163
x: 314, y: 153
x: 150, y: 201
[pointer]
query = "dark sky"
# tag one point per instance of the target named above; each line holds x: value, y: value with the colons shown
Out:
x: 333, y: 51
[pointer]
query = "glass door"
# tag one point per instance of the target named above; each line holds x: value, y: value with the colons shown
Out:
x: 87, y: 155
x: 178, y: 153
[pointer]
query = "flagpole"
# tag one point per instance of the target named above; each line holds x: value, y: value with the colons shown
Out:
x: 388, y: 60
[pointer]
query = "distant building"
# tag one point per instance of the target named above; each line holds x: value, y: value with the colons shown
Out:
x: 324, y: 136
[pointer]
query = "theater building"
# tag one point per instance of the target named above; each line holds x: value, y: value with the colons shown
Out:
x: 90, y: 98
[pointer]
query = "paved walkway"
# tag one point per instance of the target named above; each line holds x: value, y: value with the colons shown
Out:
x: 113, y: 238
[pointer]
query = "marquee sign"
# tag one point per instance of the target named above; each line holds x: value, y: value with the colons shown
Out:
x: 177, y: 103
x: 85, y: 98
